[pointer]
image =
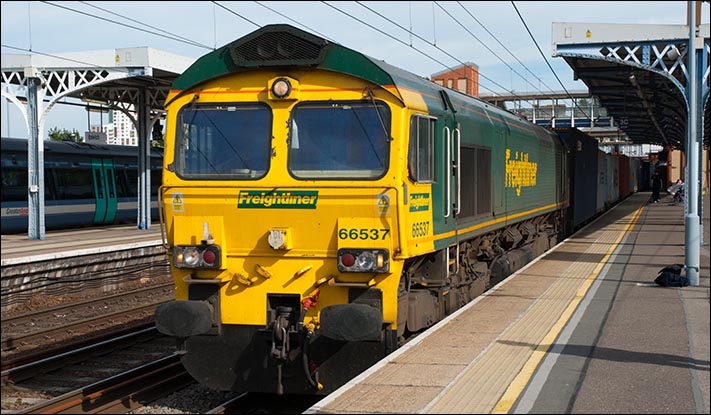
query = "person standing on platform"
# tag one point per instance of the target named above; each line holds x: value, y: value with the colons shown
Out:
x: 656, y: 186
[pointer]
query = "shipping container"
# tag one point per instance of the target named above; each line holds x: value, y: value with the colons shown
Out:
x: 635, y: 164
x: 601, y: 185
x: 612, y: 165
x: 625, y: 176
x: 583, y: 170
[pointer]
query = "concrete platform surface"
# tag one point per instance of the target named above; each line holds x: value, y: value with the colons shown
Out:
x: 583, y: 329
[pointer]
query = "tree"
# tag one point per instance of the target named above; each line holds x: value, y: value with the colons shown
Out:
x: 65, y: 135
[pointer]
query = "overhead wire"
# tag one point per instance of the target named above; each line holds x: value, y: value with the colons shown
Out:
x: 294, y: 21
x: 144, y: 24
x: 486, y: 46
x: 426, y: 41
x: 97, y: 66
x: 179, y: 38
x: 546, y: 60
x: 504, y: 46
x: 90, y: 65
x: 190, y: 42
x: 29, y: 24
x: 214, y: 25
x: 388, y: 35
x: 93, y: 65
x: 434, y: 44
x: 237, y: 14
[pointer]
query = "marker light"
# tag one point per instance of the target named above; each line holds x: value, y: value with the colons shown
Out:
x: 209, y: 257
x: 347, y: 260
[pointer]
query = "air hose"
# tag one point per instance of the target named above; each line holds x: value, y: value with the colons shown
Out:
x: 305, y: 339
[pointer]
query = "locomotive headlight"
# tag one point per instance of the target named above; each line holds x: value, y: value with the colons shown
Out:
x: 363, y: 260
x: 191, y: 256
x: 366, y: 260
x: 281, y: 88
x: 197, y: 256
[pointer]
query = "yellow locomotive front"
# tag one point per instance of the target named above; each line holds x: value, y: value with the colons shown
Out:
x: 321, y: 205
x: 280, y: 200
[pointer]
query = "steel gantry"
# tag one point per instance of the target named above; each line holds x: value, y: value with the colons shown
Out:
x: 655, y: 79
x: 121, y: 79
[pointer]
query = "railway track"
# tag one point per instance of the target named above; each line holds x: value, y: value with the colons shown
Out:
x: 107, y: 378
x: 91, y: 357
x: 120, y: 393
x: 47, y: 331
x: 82, y: 369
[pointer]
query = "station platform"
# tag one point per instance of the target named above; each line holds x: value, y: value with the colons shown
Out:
x: 582, y: 329
x: 18, y: 248
x: 89, y: 260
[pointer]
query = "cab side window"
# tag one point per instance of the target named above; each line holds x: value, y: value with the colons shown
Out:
x: 420, y: 159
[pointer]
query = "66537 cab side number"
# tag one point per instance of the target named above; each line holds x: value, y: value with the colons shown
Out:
x: 363, y: 233
x: 420, y: 229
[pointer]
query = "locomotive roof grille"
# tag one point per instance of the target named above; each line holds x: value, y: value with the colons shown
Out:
x: 278, y: 45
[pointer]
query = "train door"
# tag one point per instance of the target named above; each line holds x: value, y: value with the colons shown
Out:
x: 103, y: 179
x: 449, y: 172
x: 451, y: 176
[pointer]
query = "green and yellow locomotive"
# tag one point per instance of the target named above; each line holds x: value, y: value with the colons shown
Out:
x: 320, y: 205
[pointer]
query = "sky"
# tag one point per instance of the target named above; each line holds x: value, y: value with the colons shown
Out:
x: 401, y: 33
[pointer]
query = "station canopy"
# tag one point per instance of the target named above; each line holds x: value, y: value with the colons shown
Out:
x: 118, y: 78
x: 639, y: 74
x: 135, y: 81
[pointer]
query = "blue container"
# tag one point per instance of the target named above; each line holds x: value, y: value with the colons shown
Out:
x: 583, y: 174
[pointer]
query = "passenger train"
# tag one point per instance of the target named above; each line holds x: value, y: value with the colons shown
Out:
x: 320, y: 206
x: 85, y: 184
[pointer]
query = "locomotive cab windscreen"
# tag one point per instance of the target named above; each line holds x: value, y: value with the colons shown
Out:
x: 223, y: 142
x: 339, y: 140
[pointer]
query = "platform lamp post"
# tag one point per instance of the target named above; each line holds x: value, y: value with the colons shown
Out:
x: 691, y: 219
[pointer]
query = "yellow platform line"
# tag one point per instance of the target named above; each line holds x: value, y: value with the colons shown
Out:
x: 539, y: 325
x: 519, y: 383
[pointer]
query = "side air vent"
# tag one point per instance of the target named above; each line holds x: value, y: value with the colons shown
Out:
x: 278, y: 45
x: 476, y: 182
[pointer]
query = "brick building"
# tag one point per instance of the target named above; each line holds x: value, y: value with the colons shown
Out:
x: 463, y: 78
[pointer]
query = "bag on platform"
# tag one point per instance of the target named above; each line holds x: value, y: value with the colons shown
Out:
x: 670, y: 276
